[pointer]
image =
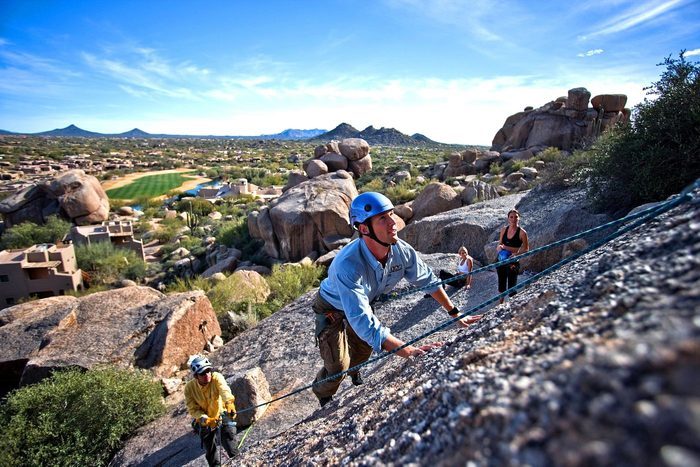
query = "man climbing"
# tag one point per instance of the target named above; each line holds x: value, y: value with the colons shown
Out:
x: 206, y: 397
x: 346, y: 327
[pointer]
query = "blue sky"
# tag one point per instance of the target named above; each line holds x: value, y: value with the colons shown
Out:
x: 453, y: 70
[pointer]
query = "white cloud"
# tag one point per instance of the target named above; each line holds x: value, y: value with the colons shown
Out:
x: 590, y: 53
x: 467, y: 111
x: 690, y: 53
x: 640, y: 14
x: 470, y: 16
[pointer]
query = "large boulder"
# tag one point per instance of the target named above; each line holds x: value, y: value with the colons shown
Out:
x: 296, y: 223
x: 476, y: 191
x: 435, y: 198
x: 247, y: 285
x: 250, y: 390
x: 73, y: 195
x: 360, y: 167
x: 132, y: 326
x: 315, y: 168
x: 609, y: 102
x: 578, y: 99
x: 334, y: 161
x: 354, y: 148
x: 296, y: 177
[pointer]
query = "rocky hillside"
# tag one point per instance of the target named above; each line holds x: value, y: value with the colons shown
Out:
x: 595, y: 364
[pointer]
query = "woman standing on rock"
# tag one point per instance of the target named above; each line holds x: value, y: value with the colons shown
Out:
x: 513, y: 241
x: 465, y: 264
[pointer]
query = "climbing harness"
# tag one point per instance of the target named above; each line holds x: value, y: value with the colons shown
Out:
x: 637, y: 218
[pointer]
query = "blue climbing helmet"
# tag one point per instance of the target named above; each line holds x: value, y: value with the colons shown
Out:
x: 368, y: 205
x: 199, y: 364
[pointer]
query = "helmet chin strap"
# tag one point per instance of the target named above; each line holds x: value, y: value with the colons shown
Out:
x: 373, y: 236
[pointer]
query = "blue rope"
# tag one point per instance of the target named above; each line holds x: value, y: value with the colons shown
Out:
x: 642, y: 214
x: 640, y: 217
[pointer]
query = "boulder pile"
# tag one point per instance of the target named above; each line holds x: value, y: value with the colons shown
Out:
x: 349, y: 154
x: 561, y: 123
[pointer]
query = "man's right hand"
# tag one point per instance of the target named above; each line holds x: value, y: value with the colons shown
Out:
x: 422, y: 350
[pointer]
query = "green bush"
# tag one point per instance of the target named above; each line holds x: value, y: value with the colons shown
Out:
x: 27, y: 234
x: 370, y: 183
x: 565, y: 171
x: 187, y: 284
x: 169, y: 229
x: 400, y: 193
x: 287, y: 283
x: 197, y: 205
x: 76, y: 417
x: 235, y: 234
x: 657, y: 154
x: 550, y: 154
x: 106, y: 263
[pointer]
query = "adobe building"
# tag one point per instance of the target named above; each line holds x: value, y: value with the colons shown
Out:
x: 234, y: 189
x: 44, y: 270
x: 120, y: 233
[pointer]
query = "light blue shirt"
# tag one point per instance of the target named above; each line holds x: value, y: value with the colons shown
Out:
x: 356, y: 278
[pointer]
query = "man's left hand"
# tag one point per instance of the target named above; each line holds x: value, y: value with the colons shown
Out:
x: 467, y: 320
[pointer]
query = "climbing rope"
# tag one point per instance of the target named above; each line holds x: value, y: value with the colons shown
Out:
x: 639, y: 219
x: 642, y: 214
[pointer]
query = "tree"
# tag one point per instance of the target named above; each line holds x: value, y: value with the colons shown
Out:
x: 657, y: 154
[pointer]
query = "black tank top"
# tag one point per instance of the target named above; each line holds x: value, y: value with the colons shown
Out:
x: 514, y: 242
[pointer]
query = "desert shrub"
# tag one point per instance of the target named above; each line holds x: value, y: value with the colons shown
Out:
x: 146, y: 202
x: 187, y: 284
x: 495, y: 169
x: 235, y: 234
x: 76, y: 417
x: 549, y: 154
x: 194, y: 244
x: 115, y: 204
x: 566, y: 170
x: 400, y: 193
x: 106, y: 263
x: 169, y: 229
x: 287, y: 283
x: 656, y: 155
x: 27, y: 234
x: 370, y: 183
x: 197, y: 205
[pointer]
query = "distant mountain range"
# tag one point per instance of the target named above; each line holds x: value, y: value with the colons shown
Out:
x: 382, y: 136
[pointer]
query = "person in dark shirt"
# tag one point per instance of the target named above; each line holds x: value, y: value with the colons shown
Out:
x: 513, y: 241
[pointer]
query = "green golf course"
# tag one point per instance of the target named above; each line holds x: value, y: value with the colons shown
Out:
x: 150, y: 186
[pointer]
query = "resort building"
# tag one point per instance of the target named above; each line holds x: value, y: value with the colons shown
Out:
x: 120, y: 233
x: 44, y: 270
x: 233, y: 189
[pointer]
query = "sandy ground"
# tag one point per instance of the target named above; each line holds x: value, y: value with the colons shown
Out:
x: 126, y: 179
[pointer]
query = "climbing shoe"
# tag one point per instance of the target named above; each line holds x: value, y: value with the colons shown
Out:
x: 357, y: 379
x: 324, y: 400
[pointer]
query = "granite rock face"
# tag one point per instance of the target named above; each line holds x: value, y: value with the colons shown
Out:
x: 595, y: 363
x: 132, y: 326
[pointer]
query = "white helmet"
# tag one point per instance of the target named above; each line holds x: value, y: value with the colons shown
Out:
x: 199, y: 364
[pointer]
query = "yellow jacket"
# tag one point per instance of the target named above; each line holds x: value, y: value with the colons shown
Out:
x: 209, y: 399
